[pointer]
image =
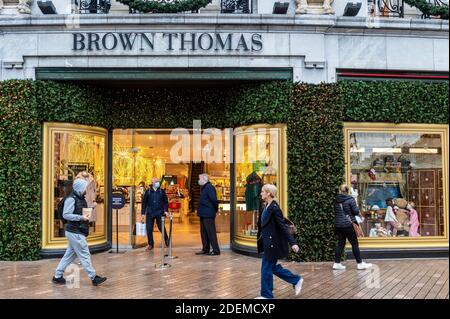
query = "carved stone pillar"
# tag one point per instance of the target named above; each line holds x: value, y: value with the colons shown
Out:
x: 213, y: 7
x: 314, y: 7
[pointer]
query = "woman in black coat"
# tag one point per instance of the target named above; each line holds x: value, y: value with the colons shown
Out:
x: 273, y: 241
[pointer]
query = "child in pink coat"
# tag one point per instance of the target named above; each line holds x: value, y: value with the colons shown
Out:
x: 413, y: 221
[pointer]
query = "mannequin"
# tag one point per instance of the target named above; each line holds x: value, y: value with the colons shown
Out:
x: 252, y: 195
x: 413, y: 221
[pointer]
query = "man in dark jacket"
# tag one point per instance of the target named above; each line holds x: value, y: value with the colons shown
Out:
x: 345, y: 212
x: 207, y: 209
x: 155, y: 204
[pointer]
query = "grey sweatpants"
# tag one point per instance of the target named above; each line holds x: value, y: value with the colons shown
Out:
x: 77, y: 247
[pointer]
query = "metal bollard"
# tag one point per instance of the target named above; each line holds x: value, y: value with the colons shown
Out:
x: 162, y: 265
x: 170, y: 256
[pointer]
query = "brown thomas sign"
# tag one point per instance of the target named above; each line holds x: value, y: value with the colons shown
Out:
x: 142, y: 41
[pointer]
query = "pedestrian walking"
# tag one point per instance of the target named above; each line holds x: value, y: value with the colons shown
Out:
x: 76, y: 231
x: 273, y: 241
x: 155, y: 204
x: 345, y: 212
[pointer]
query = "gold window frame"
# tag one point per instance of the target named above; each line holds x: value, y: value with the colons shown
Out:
x: 404, y: 242
x: 49, y: 241
x: 282, y: 178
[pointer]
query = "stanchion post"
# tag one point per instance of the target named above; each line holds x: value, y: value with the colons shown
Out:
x: 163, y: 264
x: 170, y: 256
x: 117, y: 231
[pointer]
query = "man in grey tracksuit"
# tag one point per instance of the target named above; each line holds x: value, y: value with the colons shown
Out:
x: 76, y: 230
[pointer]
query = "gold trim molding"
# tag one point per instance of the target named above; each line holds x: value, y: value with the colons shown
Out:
x: 49, y: 131
x: 282, y: 179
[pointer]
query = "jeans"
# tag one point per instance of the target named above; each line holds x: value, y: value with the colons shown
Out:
x: 77, y: 247
x: 149, y: 223
x: 342, y: 235
x: 270, y: 268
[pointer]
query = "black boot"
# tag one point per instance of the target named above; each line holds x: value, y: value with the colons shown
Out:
x: 59, y: 281
x: 98, y: 280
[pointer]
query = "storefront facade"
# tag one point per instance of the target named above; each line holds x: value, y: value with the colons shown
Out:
x: 383, y: 160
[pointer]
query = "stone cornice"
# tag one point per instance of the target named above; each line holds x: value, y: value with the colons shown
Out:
x: 217, y: 21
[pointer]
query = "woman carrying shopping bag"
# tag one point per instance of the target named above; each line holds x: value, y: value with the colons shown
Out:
x: 273, y: 241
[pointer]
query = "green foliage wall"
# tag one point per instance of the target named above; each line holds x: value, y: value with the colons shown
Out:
x: 316, y: 166
x: 19, y: 172
x: 314, y: 114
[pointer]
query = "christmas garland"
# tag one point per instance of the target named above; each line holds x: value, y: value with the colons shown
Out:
x: 154, y: 6
x: 429, y: 9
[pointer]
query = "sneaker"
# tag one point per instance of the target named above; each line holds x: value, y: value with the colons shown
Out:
x: 298, y: 287
x: 59, y: 281
x: 261, y: 297
x: 98, y: 280
x: 363, y: 266
x: 202, y: 252
x: 339, y: 266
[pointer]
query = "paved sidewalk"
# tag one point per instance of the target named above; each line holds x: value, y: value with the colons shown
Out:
x: 230, y: 275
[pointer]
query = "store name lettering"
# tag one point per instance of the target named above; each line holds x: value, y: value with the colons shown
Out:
x: 171, y: 41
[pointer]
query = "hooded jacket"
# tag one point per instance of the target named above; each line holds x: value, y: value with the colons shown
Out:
x: 73, y: 209
x: 350, y: 209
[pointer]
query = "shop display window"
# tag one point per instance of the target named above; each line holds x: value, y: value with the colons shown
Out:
x: 258, y: 161
x: 398, y: 176
x: 73, y: 151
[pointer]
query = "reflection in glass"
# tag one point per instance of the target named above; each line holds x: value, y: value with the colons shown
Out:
x: 80, y: 155
x: 396, y: 179
x: 256, y: 164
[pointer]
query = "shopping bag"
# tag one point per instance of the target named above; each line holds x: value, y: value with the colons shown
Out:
x: 141, y: 229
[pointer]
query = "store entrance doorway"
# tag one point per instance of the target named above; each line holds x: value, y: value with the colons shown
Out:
x: 176, y: 158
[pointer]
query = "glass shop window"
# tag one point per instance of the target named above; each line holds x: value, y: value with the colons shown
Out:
x: 397, y: 180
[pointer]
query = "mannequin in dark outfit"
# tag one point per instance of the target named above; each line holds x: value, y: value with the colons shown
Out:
x: 252, y: 194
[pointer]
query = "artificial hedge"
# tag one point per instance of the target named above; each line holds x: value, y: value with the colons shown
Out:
x: 314, y: 115
x: 20, y: 178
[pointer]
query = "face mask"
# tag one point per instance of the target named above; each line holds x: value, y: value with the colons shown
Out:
x: 156, y: 185
x: 201, y: 182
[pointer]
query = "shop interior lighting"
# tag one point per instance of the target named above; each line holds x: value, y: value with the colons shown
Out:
x: 423, y: 151
x: 386, y: 150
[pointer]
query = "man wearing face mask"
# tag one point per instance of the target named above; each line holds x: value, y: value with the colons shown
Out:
x: 76, y: 230
x: 155, y: 204
x: 207, y: 209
